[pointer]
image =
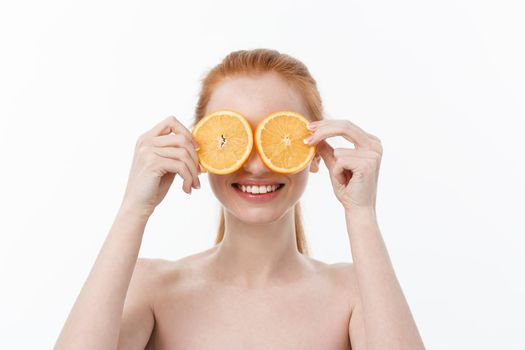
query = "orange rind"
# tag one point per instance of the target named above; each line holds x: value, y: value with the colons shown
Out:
x: 225, y: 141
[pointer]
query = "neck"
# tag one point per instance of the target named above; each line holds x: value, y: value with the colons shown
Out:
x: 258, y: 254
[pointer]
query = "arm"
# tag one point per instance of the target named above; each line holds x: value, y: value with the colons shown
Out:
x: 381, y: 319
x: 99, y: 316
x: 95, y: 319
x: 138, y: 318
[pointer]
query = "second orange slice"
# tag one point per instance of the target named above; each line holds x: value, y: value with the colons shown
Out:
x: 225, y: 141
x: 279, y: 141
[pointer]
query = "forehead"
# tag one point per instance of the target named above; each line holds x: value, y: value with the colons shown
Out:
x: 256, y: 96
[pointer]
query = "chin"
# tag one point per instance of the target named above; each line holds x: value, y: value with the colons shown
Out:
x: 258, y: 216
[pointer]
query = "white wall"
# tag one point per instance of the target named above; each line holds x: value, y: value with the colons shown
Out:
x: 440, y: 82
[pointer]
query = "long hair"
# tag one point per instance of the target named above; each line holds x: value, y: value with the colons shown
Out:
x: 259, y: 61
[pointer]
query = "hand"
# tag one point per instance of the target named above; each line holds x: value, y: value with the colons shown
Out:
x: 353, y: 172
x: 159, y: 156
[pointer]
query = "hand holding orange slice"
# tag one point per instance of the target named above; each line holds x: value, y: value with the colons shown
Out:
x: 226, y: 140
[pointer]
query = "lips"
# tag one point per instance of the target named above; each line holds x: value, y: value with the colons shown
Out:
x: 239, y: 185
x: 257, y: 183
x: 267, y: 189
x: 258, y: 198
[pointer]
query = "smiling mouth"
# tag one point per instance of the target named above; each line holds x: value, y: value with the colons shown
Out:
x: 253, y: 189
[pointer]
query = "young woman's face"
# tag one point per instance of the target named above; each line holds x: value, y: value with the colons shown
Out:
x: 255, y: 98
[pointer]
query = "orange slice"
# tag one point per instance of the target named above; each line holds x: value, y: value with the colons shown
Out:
x: 225, y: 141
x: 279, y: 141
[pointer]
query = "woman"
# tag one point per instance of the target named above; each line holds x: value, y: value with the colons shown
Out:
x: 256, y: 288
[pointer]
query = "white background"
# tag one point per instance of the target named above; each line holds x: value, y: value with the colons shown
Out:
x: 440, y: 82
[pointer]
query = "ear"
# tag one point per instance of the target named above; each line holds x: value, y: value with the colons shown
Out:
x: 314, y: 164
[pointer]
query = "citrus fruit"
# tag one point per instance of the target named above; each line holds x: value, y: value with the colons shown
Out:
x: 225, y: 141
x: 279, y: 141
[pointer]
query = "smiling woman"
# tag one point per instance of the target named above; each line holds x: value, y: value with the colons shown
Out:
x: 256, y: 288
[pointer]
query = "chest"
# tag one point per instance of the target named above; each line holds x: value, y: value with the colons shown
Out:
x: 212, y: 317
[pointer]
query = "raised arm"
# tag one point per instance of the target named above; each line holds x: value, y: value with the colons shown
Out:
x: 101, y: 312
x: 381, y: 318
x: 94, y: 321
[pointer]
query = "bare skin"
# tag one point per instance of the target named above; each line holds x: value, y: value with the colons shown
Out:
x: 254, y: 290
x: 196, y: 308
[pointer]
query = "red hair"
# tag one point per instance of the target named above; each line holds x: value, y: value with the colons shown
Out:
x: 259, y: 61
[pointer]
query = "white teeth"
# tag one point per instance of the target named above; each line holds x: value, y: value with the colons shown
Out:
x: 258, y: 189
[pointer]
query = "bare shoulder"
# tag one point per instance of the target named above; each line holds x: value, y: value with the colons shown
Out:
x: 340, y: 274
x: 157, y: 272
x: 147, y: 276
x: 332, y: 268
x: 152, y: 279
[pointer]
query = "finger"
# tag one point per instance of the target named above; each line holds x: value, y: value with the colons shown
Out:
x: 177, y: 167
x: 339, y: 127
x: 202, y: 169
x: 326, y: 152
x: 176, y: 140
x: 183, y: 155
x: 341, y: 168
x: 358, y: 153
x: 168, y: 125
x: 358, y: 157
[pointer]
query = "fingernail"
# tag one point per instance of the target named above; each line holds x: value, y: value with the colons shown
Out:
x: 308, y: 139
x: 311, y: 126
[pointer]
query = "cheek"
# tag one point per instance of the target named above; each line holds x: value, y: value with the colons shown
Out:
x: 299, y: 181
x: 217, y: 184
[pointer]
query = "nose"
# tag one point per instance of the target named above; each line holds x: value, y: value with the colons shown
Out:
x: 254, y: 163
